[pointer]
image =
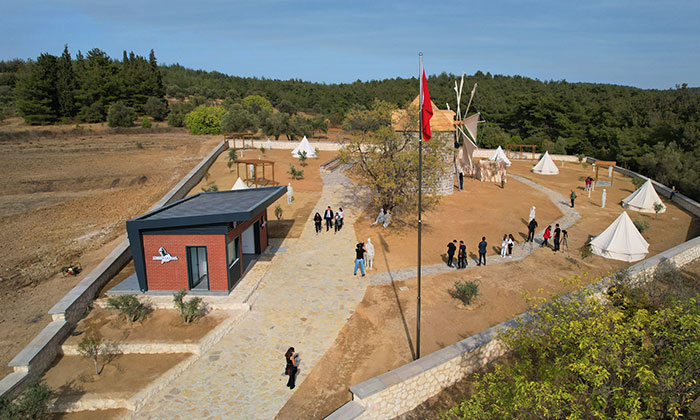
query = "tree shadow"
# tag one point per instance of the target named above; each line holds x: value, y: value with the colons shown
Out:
x: 473, y: 257
x: 525, y: 222
x: 496, y: 249
x: 522, y: 235
x: 385, y: 248
x: 279, y: 228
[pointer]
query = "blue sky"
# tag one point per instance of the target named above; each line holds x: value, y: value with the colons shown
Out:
x: 649, y: 44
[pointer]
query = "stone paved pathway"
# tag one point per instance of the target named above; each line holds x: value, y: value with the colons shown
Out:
x: 520, y: 251
x: 304, y: 300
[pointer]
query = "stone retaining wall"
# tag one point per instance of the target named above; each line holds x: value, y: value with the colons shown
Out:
x: 400, y: 390
x: 288, y: 144
x: 31, y: 361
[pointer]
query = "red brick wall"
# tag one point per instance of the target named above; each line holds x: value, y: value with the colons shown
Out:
x: 173, y: 275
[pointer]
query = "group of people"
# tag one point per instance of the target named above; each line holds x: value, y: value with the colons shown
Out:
x: 589, y: 183
x: 334, y: 220
x: 507, y: 245
x: 557, y: 237
x: 462, y: 253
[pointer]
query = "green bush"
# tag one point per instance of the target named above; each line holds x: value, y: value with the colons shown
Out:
x: 32, y: 404
x: 232, y: 157
x: 145, y: 123
x: 190, y: 310
x: 586, y: 251
x: 295, y: 173
x: 278, y: 212
x: 302, y: 158
x: 638, y: 182
x: 90, y: 346
x: 120, y: 115
x: 466, y: 291
x: 205, y: 119
x: 156, y: 108
x: 239, y: 120
x: 93, y: 113
x: 128, y: 306
x: 641, y: 224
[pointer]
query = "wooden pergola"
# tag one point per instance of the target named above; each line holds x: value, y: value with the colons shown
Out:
x: 605, y: 164
x: 258, y: 164
x: 242, y: 137
x: 520, y: 147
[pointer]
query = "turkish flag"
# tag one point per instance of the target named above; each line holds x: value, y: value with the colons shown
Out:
x: 426, y: 108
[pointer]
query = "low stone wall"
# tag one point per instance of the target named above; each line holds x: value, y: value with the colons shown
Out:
x: 287, y: 144
x: 398, y: 391
x: 38, y: 355
x: 486, y: 153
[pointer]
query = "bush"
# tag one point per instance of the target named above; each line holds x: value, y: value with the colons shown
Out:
x: 120, y: 115
x: 466, y: 291
x: 586, y: 251
x: 145, y: 123
x: 156, y: 108
x: 210, y: 187
x: 295, y: 173
x: 658, y: 207
x: 32, y: 404
x: 238, y: 120
x: 302, y: 158
x: 128, y: 306
x: 90, y: 346
x: 190, y: 310
x: 232, y: 157
x: 638, y: 182
x: 93, y: 113
x: 278, y: 212
x: 205, y: 119
x: 641, y: 224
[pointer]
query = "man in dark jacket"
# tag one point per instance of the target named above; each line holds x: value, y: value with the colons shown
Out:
x: 451, y: 248
x: 482, y: 250
x: 557, y: 237
x: 531, y: 230
x: 462, y: 255
x: 328, y: 215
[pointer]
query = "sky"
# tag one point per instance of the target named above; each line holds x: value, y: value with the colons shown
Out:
x: 642, y: 43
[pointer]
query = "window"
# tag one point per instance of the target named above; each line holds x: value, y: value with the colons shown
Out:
x: 233, y: 251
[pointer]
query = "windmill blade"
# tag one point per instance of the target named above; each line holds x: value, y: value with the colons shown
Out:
x: 471, y: 97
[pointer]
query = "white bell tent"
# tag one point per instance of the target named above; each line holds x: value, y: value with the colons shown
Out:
x: 644, y: 199
x: 304, y: 146
x: 546, y: 166
x: 621, y: 241
x: 239, y: 185
x: 500, y: 156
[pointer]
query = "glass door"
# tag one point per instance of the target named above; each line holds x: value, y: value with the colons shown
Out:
x: 197, y: 267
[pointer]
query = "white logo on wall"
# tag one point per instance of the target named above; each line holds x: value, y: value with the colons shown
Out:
x: 164, y: 256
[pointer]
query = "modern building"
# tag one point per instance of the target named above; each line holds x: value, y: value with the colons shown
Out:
x: 202, y: 243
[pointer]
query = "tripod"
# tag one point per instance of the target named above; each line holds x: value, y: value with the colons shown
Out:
x: 564, y: 241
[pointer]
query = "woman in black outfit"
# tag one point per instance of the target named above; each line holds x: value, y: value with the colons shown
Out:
x: 317, y: 222
x: 291, y: 369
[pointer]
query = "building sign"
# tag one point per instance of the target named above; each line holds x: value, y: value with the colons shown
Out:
x: 164, y: 256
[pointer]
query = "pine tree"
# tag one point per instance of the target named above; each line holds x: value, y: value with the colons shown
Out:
x: 158, y: 90
x: 65, y: 85
x: 36, y: 93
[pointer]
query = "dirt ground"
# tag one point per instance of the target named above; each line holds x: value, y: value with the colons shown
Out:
x: 380, y: 335
x: 91, y: 415
x: 121, y: 375
x: 162, y: 326
x: 306, y: 190
x: 64, y: 199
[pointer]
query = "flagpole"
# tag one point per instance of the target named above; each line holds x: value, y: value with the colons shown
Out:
x: 420, y: 192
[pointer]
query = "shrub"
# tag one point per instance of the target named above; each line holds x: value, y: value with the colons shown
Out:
x: 295, y: 173
x: 93, y: 113
x: 658, y: 207
x: 32, y: 404
x: 145, y: 123
x: 466, y: 291
x: 262, y: 150
x: 139, y: 145
x: 90, y: 346
x: 190, y: 310
x: 232, y: 157
x: 584, y: 165
x: 278, y: 212
x: 156, y: 108
x: 205, y: 119
x: 641, y: 224
x: 302, y: 158
x: 210, y: 187
x: 586, y: 251
x: 638, y: 182
x: 128, y: 306
x: 120, y: 115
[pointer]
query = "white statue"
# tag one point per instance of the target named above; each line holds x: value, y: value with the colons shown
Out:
x: 369, y: 255
x: 532, y: 214
x: 269, y: 144
x: 380, y: 217
x: 387, y: 219
x: 602, y: 206
x: 290, y: 193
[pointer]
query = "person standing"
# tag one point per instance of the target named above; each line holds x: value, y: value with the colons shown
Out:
x: 317, y: 222
x: 673, y: 192
x: 462, y: 255
x: 547, y: 235
x: 531, y: 230
x: 572, y: 197
x: 511, y: 242
x: 360, y: 258
x: 338, y: 222
x: 461, y: 180
x: 328, y: 215
x: 369, y: 255
x: 342, y: 217
x: 451, y: 248
x: 504, y: 246
x: 482, y: 250
x: 557, y: 237
x: 291, y: 369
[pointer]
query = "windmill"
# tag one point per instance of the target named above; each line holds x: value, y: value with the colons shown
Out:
x: 467, y: 131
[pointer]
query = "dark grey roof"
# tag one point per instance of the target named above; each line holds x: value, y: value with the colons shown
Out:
x: 211, y: 208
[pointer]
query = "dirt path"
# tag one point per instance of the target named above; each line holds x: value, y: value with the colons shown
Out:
x: 64, y: 200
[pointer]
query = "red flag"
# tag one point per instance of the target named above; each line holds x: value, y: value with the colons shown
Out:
x: 426, y: 108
